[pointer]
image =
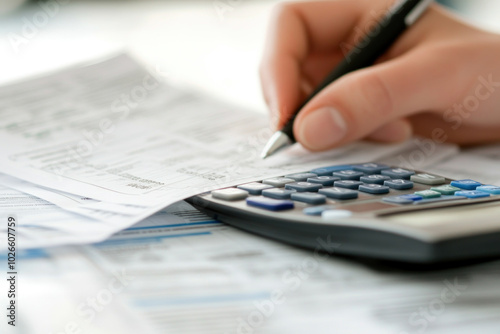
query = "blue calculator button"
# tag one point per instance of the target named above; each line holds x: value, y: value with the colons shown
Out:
x: 466, y: 184
x: 398, y: 173
x: 349, y: 184
x: 399, y: 184
x: 370, y: 168
x: 270, y: 204
x: 328, y: 171
x: 316, y: 210
x: 277, y: 193
x: 339, y: 193
x: 323, y: 180
x: 254, y: 188
x: 348, y: 175
x: 375, y: 189
x: 304, y: 186
x: 472, y: 194
x: 493, y: 190
x: 445, y: 198
x: 375, y: 179
x: 300, y: 177
x: 309, y: 198
x: 403, y: 199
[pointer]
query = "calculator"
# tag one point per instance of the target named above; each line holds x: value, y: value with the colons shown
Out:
x: 367, y: 210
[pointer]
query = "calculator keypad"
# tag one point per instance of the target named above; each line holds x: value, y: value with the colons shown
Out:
x: 339, y: 191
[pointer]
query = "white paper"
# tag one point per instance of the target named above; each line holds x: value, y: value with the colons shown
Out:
x: 193, y: 275
x: 113, y: 133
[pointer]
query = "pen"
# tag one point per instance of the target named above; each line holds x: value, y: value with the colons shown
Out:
x: 398, y: 18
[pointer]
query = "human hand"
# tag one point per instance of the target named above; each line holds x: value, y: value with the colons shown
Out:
x: 440, y: 79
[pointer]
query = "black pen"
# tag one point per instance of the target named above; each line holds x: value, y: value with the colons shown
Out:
x: 398, y: 18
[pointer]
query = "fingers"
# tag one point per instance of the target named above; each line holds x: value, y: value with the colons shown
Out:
x: 296, y: 30
x: 437, y: 128
x: 394, y: 132
x: 361, y: 102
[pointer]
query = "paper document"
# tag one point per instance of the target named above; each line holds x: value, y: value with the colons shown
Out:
x: 187, y: 273
x: 113, y: 132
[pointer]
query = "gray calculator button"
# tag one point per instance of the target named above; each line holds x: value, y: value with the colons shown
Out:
x: 399, y: 184
x: 398, y: 173
x: 278, y: 182
x: 349, y: 184
x: 339, y: 193
x: 254, y: 188
x: 300, y: 177
x: 277, y: 193
x: 316, y: 210
x: 230, y: 194
x: 375, y: 179
x: 309, y: 198
x: 349, y: 175
x: 375, y: 189
x: 428, y: 179
x: 304, y: 186
x: 323, y: 180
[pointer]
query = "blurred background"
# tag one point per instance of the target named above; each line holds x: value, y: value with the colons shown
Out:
x: 213, y: 46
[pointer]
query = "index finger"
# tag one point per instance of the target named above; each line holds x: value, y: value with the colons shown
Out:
x: 296, y: 30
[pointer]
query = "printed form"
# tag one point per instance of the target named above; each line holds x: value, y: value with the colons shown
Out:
x: 186, y: 273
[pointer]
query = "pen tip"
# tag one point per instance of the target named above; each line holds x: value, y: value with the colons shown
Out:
x: 277, y: 142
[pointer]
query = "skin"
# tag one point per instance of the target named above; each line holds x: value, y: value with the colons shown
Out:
x: 432, y: 80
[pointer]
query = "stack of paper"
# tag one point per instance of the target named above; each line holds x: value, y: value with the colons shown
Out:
x: 106, y: 145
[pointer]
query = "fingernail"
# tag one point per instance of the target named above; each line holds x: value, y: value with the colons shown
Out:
x: 322, y: 128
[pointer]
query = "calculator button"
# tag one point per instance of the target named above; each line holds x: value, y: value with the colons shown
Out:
x: 323, y: 180
x: 493, y: 190
x: 277, y: 193
x: 348, y: 184
x: 398, y: 173
x: 348, y: 175
x: 472, y: 194
x: 278, y: 182
x: 428, y: 179
x: 466, y: 184
x: 254, y: 188
x: 309, y: 198
x: 402, y: 199
x: 375, y: 189
x: 270, y: 204
x: 300, y: 177
x: 370, y: 168
x: 304, y: 186
x: 328, y: 171
x: 439, y: 199
x: 399, y: 184
x: 316, y: 210
x: 428, y: 194
x: 446, y: 190
x: 375, y: 179
x: 335, y: 214
x: 230, y: 194
x: 339, y: 193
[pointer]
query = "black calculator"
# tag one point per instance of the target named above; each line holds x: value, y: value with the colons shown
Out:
x: 368, y: 210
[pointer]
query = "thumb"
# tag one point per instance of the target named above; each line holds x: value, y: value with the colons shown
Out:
x: 361, y: 102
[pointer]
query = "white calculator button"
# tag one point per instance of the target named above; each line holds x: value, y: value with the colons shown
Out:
x: 428, y: 179
x: 230, y: 194
x: 335, y: 214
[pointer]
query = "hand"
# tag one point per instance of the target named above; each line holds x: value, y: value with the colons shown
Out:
x: 440, y: 79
